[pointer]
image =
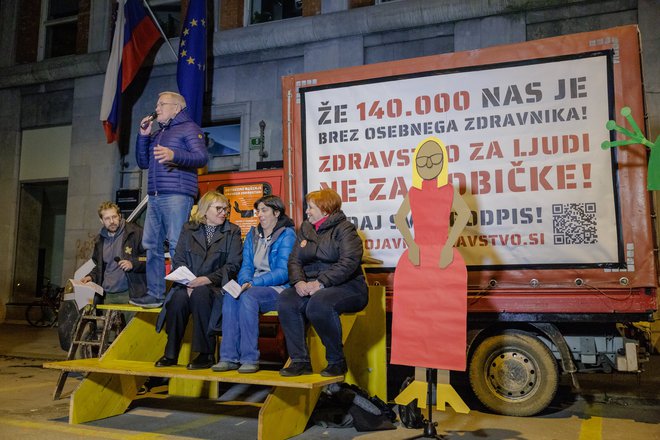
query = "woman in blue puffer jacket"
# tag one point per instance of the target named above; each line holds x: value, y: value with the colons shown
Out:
x: 262, y: 277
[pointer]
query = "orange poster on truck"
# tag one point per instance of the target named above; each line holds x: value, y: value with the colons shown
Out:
x: 241, y: 200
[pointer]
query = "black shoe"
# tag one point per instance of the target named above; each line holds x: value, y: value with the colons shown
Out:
x: 296, y: 369
x: 165, y: 362
x: 336, y: 369
x: 202, y: 362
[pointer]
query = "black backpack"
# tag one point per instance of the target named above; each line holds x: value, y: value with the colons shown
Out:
x: 344, y: 406
x: 410, y: 414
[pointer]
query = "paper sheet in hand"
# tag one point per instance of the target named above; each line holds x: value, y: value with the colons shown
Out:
x: 82, y: 293
x: 84, y: 270
x: 181, y: 275
x: 233, y: 288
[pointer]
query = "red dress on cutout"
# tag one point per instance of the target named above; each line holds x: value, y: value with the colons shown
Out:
x: 430, y: 304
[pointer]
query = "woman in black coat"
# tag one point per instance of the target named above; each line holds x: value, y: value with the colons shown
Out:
x: 327, y: 280
x: 210, y: 246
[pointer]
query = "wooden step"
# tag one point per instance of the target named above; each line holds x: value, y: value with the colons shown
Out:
x: 141, y: 368
x: 127, y: 308
x: 132, y: 308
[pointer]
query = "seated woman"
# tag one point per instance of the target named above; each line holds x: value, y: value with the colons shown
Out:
x: 210, y: 247
x: 263, y: 276
x: 324, y: 269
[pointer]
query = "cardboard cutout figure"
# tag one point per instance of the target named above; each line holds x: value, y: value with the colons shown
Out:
x: 429, y: 316
x: 430, y: 281
x: 636, y: 137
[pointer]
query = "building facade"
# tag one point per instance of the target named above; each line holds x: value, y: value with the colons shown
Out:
x: 56, y: 165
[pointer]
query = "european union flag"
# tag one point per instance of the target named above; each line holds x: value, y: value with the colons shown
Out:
x: 191, y: 68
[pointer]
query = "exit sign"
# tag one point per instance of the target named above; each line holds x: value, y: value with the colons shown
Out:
x: 255, y: 143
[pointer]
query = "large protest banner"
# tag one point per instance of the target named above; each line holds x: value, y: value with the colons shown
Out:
x: 523, y: 125
x: 523, y: 143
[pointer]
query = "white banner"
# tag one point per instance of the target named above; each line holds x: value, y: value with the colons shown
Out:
x: 523, y: 145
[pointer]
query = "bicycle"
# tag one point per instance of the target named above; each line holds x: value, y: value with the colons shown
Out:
x: 43, y: 313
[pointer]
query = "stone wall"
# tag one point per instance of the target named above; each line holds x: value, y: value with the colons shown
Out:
x: 9, y: 165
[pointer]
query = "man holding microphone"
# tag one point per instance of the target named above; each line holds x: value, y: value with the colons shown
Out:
x: 170, y: 145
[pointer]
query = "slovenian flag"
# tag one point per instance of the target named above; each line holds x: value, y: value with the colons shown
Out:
x: 135, y: 35
x: 191, y: 68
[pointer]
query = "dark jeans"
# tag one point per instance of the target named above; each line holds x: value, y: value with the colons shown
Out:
x: 166, y: 214
x: 179, y: 309
x: 322, y: 310
x: 240, y: 323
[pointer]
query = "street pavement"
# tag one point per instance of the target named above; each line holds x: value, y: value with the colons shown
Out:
x: 610, y: 407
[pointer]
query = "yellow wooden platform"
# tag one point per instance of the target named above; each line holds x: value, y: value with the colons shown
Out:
x: 146, y: 369
x: 127, y: 308
x: 113, y: 380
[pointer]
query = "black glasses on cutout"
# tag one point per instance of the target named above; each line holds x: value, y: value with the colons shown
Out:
x: 428, y: 161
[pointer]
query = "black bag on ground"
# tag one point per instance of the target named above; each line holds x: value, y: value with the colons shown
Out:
x: 410, y: 414
x: 331, y: 410
x: 67, y: 318
x: 344, y: 406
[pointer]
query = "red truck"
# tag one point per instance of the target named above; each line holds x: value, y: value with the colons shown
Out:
x: 560, y: 245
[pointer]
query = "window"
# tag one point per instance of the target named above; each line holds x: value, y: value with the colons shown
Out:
x: 223, y: 142
x: 262, y: 11
x: 60, y: 28
x: 168, y: 14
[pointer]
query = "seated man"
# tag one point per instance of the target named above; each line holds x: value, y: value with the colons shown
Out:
x: 117, y: 252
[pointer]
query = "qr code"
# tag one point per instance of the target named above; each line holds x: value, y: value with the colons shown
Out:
x: 574, y: 223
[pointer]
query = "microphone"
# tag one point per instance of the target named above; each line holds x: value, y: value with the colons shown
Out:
x: 146, y: 123
x: 117, y: 259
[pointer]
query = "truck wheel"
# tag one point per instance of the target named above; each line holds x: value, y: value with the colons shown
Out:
x: 514, y: 374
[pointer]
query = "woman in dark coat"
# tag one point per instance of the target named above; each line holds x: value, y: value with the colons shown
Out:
x: 210, y: 246
x: 327, y: 280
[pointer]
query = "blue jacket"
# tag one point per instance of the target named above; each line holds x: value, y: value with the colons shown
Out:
x: 186, y: 140
x: 284, y: 237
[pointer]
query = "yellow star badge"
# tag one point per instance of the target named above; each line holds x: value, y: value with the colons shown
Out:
x: 128, y: 250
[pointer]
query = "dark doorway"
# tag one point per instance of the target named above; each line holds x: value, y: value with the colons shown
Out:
x: 40, y: 238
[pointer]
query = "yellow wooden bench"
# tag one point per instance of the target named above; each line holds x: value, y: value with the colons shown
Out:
x: 114, y: 379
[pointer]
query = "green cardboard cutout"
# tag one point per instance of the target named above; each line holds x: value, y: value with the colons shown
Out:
x: 636, y: 137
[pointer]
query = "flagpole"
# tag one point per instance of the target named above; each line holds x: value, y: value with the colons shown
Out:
x: 167, y: 40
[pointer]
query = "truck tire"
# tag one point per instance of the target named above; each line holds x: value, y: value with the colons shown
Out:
x: 514, y: 374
